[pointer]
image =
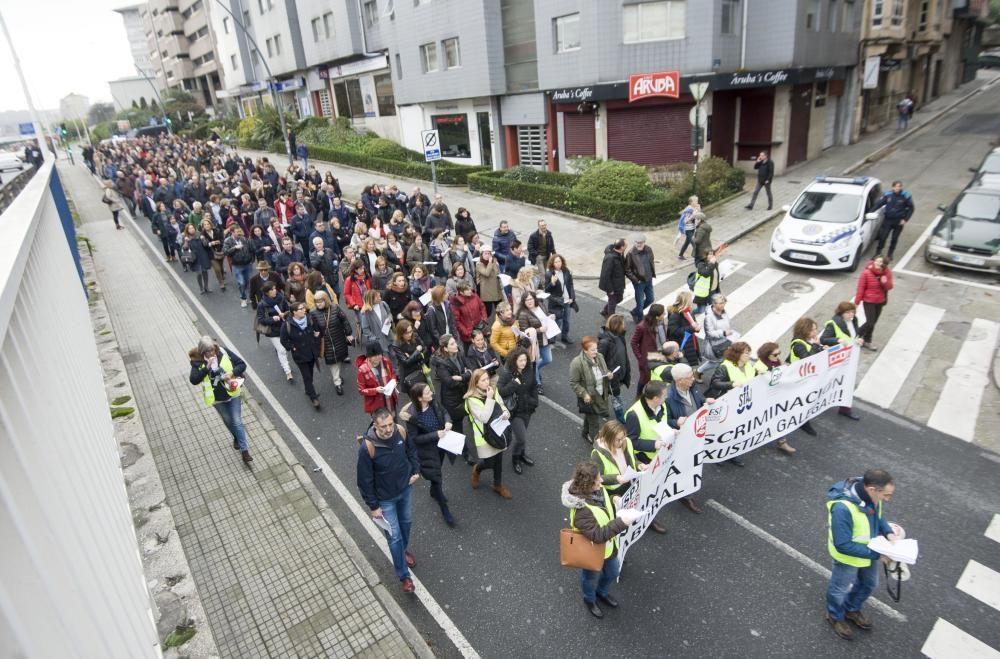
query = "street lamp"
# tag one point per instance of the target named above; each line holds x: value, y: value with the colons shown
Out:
x: 271, y: 82
x: 159, y: 100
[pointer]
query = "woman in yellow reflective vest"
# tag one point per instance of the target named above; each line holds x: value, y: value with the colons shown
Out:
x: 734, y: 371
x: 592, y: 512
x: 614, y: 453
x: 843, y: 330
x: 219, y: 371
x: 769, y: 358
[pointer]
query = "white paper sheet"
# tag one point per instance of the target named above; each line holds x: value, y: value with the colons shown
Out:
x: 726, y: 268
x: 425, y: 299
x: 542, y: 295
x: 629, y: 515
x: 387, y: 326
x: 505, y: 280
x: 499, y: 424
x: 382, y: 524
x: 630, y: 474
x: 389, y: 387
x: 552, y: 329
x: 904, y: 551
x: 452, y: 442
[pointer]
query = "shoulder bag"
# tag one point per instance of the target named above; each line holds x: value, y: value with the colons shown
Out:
x: 575, y: 550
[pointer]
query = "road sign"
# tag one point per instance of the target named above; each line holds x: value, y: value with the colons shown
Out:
x: 432, y: 145
x: 26, y: 129
x: 698, y: 116
x: 698, y: 90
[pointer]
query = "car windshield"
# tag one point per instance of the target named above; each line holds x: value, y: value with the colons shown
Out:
x: 991, y: 165
x: 979, y: 207
x: 826, y: 207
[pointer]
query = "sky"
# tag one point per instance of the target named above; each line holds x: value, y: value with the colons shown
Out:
x: 64, y: 46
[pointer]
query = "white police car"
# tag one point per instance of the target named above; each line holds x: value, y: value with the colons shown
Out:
x: 830, y: 224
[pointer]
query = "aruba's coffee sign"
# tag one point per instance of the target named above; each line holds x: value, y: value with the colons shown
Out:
x: 646, y: 85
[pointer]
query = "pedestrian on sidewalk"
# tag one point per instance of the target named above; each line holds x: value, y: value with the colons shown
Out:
x: 685, y: 225
x: 904, y: 112
x: 874, y: 285
x: 899, y: 209
x: 854, y: 517
x: 110, y: 197
x: 612, y: 280
x: 301, y: 338
x: 219, y: 371
x: 765, y: 174
x: 702, y: 237
x: 640, y: 268
x: 427, y: 422
x: 387, y: 469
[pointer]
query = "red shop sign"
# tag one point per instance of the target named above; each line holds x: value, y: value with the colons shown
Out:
x: 646, y: 85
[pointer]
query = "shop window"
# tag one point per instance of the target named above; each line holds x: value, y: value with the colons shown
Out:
x: 452, y: 56
x: 453, y: 133
x: 653, y: 21
x: 428, y: 57
x: 567, y: 32
x: 383, y: 92
x: 349, y: 101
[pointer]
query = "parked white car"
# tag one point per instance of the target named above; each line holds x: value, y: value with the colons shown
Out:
x: 830, y: 225
x: 10, y: 162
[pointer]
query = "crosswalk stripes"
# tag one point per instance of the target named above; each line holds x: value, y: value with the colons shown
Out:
x: 896, y: 359
x: 982, y: 583
x: 669, y: 298
x: 752, y: 290
x: 993, y: 530
x: 785, y: 314
x: 957, y: 409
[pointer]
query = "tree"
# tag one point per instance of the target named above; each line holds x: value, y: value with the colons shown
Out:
x: 142, y: 102
x: 135, y: 106
x: 99, y: 112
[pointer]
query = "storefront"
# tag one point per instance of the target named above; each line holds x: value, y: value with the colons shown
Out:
x: 362, y: 92
x: 465, y: 128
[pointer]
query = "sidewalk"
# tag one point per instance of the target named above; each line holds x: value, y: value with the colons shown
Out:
x: 583, y: 246
x: 276, y: 572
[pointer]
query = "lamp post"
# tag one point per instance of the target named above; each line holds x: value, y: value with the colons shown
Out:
x: 271, y: 82
x: 159, y: 100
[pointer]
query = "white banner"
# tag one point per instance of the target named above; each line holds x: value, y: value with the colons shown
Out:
x: 872, y: 66
x: 773, y: 405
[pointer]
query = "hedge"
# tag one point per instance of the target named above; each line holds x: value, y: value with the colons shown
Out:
x: 662, y: 209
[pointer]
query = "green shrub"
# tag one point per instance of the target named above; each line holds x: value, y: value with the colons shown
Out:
x: 615, y: 181
x: 580, y: 164
x: 101, y: 131
x: 312, y: 122
x: 447, y: 173
x: 379, y: 147
x: 524, y: 173
x: 267, y: 126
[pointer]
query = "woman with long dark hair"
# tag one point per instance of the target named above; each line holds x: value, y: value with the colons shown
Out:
x: 427, y: 421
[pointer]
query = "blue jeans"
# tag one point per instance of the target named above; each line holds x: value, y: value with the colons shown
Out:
x: 849, y: 588
x: 544, y: 359
x: 398, y: 513
x: 563, y: 322
x: 231, y: 416
x: 643, y: 298
x: 618, y: 406
x: 243, y: 273
x: 596, y: 583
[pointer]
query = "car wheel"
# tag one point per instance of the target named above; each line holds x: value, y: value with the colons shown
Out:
x: 856, y: 260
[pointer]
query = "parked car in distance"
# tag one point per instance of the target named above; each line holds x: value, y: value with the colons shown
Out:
x: 989, y: 166
x: 11, y: 162
x: 989, y: 59
x: 967, y: 235
x: 830, y: 225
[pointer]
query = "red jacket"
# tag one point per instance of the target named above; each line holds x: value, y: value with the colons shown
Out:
x: 468, y: 312
x: 872, y: 286
x: 289, y: 210
x: 368, y: 383
x: 353, y: 293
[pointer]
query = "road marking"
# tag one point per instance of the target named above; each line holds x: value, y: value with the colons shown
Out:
x: 794, y: 553
x: 957, y: 408
x: 981, y: 582
x: 886, y: 375
x: 364, y: 519
x: 559, y: 408
x: 947, y: 641
x: 993, y: 530
x: 916, y: 246
x: 749, y: 292
x: 669, y: 298
x: 785, y: 315
x: 629, y: 296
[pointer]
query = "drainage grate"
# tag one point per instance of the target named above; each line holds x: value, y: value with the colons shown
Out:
x: 131, y: 358
x: 797, y: 287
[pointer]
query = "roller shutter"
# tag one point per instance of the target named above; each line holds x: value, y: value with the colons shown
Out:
x: 579, y: 134
x: 657, y: 135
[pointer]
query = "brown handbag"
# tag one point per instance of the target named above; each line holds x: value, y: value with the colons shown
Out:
x: 575, y: 550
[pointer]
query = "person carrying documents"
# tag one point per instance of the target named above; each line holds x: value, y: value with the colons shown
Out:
x: 855, y: 517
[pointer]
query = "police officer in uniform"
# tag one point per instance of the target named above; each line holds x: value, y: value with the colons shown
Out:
x: 898, y: 210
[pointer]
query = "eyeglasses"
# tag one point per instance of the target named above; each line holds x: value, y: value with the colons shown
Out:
x: 774, y: 355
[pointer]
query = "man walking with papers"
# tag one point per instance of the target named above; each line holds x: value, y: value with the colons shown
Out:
x: 855, y: 517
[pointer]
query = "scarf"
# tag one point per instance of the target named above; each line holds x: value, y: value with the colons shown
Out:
x: 301, y: 323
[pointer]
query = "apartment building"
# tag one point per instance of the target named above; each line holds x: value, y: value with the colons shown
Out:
x: 135, y: 32
x: 182, y: 47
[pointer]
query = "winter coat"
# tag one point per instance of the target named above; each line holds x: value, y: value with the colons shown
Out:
x: 301, y: 342
x: 702, y: 239
x: 440, y: 320
x: 829, y: 336
x: 469, y: 312
x: 765, y: 170
x: 677, y: 326
x: 425, y: 437
x: 612, y: 272
x: 256, y: 286
x: 301, y: 227
x: 368, y: 382
x: 372, y: 326
x: 116, y: 204
x: 417, y: 254
x: 240, y: 250
x: 710, y: 270
x: 451, y: 257
x: 451, y: 285
x: 465, y: 227
x: 541, y: 247
x: 802, y: 352
x: 502, y: 338
x: 284, y: 259
x: 584, y: 520
x: 675, y: 404
x: 396, y: 300
x: 611, y: 346
x: 521, y: 385
x: 873, y: 287
x: 644, y: 341
x: 556, y: 305
x: 475, y: 359
x: 842, y: 522
x: 200, y: 370
x: 387, y: 475
x: 310, y: 295
x: 355, y: 289
x: 259, y: 243
x: 326, y: 263
x: 266, y: 314
x: 488, y: 279
x: 334, y: 329
x: 202, y: 253
x: 634, y: 268
x: 409, y: 361
x: 451, y: 391
x: 583, y: 382
x: 502, y: 242
x: 526, y: 319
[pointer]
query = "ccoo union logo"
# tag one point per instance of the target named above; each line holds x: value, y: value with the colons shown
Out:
x: 838, y: 356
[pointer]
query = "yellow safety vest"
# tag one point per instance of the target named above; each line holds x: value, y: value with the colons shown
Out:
x: 603, y: 516
x: 477, y: 428
x: 739, y: 377
x: 656, y: 375
x: 208, y: 391
x: 702, y: 285
x: 647, y: 425
x: 837, y: 332
x: 792, y: 357
x: 608, y: 465
x: 861, y: 533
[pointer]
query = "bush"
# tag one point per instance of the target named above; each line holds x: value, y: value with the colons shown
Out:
x: 524, y: 173
x: 102, y: 131
x: 580, y: 164
x: 379, y: 147
x: 447, y: 173
x: 245, y: 132
x: 312, y: 122
x: 615, y: 181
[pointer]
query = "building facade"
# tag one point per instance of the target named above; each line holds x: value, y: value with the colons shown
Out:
x: 182, y: 47
x: 74, y: 106
x: 135, y: 32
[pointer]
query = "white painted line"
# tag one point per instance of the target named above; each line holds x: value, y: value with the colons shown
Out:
x: 993, y: 530
x: 915, y: 247
x: 794, y: 553
x: 946, y: 641
x: 949, y: 280
x: 559, y: 408
x: 346, y: 495
x: 957, y: 408
x: 887, y: 373
x: 784, y: 316
x: 630, y: 290
x: 750, y: 292
x: 982, y: 583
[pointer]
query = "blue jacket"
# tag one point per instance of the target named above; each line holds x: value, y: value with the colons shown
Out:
x: 284, y: 259
x: 387, y: 475
x: 842, y: 524
x: 675, y: 404
x: 501, y: 242
x: 897, y: 206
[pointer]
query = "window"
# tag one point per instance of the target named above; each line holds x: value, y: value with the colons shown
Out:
x: 371, y: 13
x: 325, y: 109
x: 233, y: 62
x: 812, y: 16
x: 246, y: 18
x: 653, y: 21
x: 832, y: 16
x: 225, y: 24
x: 277, y: 44
x: 349, y: 102
x: 567, y: 32
x: 897, y: 12
x: 821, y: 206
x: 328, y: 24
x: 730, y: 17
x: 453, y: 133
x: 847, y: 16
x: 270, y: 47
x: 196, y: 6
x: 429, y: 57
x: 452, y: 56
x: 877, y: 8
x: 386, y: 99
x: 170, y: 75
x: 315, y: 28
x: 399, y: 68
x: 924, y: 11
x: 255, y: 57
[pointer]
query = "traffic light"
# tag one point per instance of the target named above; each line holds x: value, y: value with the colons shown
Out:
x: 62, y: 130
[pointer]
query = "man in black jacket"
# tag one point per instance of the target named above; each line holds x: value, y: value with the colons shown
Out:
x: 541, y: 245
x: 765, y: 173
x: 612, y: 279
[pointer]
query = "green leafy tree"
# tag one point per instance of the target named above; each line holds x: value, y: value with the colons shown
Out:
x: 99, y: 112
